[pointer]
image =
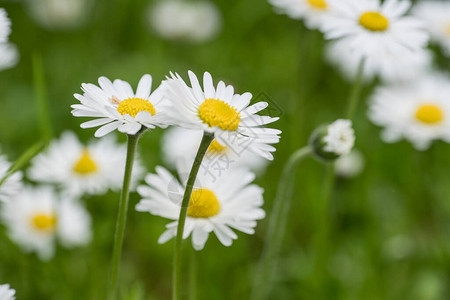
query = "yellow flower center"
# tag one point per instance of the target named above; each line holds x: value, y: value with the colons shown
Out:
x: 374, y: 21
x: 217, y: 113
x: 44, y: 222
x: 429, y: 114
x: 216, y: 148
x: 318, y: 4
x: 133, y: 106
x: 85, y: 164
x: 203, y: 204
x: 447, y: 29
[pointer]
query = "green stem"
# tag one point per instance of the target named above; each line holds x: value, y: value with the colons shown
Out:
x: 23, y: 160
x: 323, y: 226
x: 176, y: 284
x: 193, y: 278
x: 41, y: 97
x: 355, y: 95
x: 277, y: 226
x: 122, y: 216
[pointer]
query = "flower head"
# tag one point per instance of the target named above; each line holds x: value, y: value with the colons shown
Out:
x: 37, y: 218
x: 417, y: 111
x: 373, y: 29
x: 222, y: 112
x: 8, y: 56
x: 436, y: 15
x: 216, y: 205
x: 83, y: 169
x: 7, y: 293
x: 12, y: 185
x: 185, y: 21
x: 349, y: 165
x: 116, y: 106
x: 5, y: 26
x: 312, y: 11
x: 334, y: 140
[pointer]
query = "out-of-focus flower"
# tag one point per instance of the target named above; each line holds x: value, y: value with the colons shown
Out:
x: 5, y: 26
x: 180, y: 144
x: 60, y: 14
x: 387, y: 66
x: 9, y: 56
x: 417, y: 111
x: 223, y: 113
x: 35, y: 219
x: 436, y: 15
x: 215, y: 205
x: 80, y: 169
x: 116, y: 106
x: 7, y: 293
x: 195, y: 21
x: 333, y: 140
x: 12, y: 185
x: 349, y: 165
x: 372, y: 28
x: 312, y: 11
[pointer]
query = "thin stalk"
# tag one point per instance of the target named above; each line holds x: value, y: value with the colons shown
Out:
x: 355, y: 94
x: 40, y: 91
x: 23, y: 160
x: 322, y: 238
x: 277, y: 226
x: 193, y: 275
x: 176, y: 284
x: 122, y: 216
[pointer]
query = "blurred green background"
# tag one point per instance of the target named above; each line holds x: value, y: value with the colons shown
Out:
x: 389, y: 227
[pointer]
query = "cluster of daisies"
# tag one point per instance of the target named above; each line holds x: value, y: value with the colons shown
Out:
x: 388, y: 40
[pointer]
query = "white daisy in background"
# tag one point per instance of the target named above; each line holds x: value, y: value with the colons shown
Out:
x: 180, y: 144
x: 60, y: 14
x: 7, y: 293
x: 215, y: 205
x: 371, y: 28
x: 5, y: 26
x: 349, y: 165
x: 92, y: 169
x: 436, y: 15
x: 223, y: 113
x: 195, y: 21
x: 312, y: 11
x: 116, y: 106
x: 9, y: 56
x: 418, y: 111
x: 334, y: 140
x: 37, y: 218
x: 388, y: 67
x: 12, y: 185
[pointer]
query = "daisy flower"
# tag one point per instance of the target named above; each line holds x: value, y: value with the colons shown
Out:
x: 116, y: 106
x: 334, y: 140
x: 83, y: 169
x: 349, y: 165
x: 312, y: 11
x: 221, y: 112
x: 7, y: 293
x: 215, y: 205
x: 12, y: 185
x: 9, y: 56
x: 36, y: 219
x: 186, y: 21
x: 372, y: 28
x: 418, y: 111
x: 180, y: 144
x: 387, y: 66
x: 436, y: 15
x: 5, y: 26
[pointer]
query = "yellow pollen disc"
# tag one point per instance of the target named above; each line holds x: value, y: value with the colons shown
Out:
x: 318, y: 4
x: 133, y: 106
x: 216, y: 148
x: 203, y: 204
x: 44, y: 222
x: 217, y: 113
x: 447, y: 30
x: 374, y: 21
x: 429, y: 114
x: 85, y: 164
